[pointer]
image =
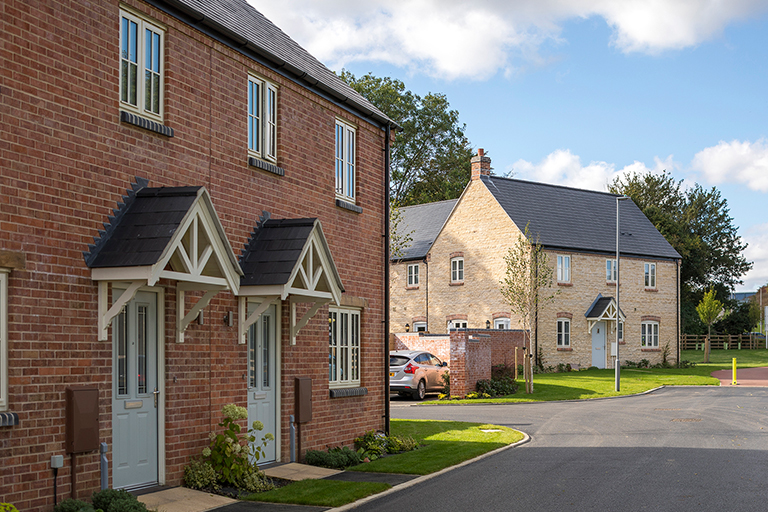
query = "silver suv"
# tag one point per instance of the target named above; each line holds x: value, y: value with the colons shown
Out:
x: 415, y: 373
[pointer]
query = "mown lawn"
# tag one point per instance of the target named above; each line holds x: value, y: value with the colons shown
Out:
x: 594, y: 383
x: 443, y: 444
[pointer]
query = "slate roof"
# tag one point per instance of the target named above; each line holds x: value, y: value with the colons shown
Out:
x: 423, y: 222
x: 142, y: 227
x: 243, y: 24
x: 575, y: 219
x: 273, y: 251
x: 599, y: 306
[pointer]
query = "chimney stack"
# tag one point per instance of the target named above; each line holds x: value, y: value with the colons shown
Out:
x: 481, y: 165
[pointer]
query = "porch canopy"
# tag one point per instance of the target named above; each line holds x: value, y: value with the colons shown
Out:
x: 162, y: 233
x: 603, y: 309
x: 287, y: 259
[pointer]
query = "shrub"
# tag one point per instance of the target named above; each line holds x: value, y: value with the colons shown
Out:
x: 397, y: 444
x: 104, y: 498
x: 335, y: 458
x: 125, y: 505
x: 7, y: 507
x: 502, y: 370
x: 686, y: 364
x: 230, y: 453
x: 200, y: 475
x: 372, y: 444
x: 446, y: 377
x: 254, y: 480
x: 496, y: 387
x: 70, y: 505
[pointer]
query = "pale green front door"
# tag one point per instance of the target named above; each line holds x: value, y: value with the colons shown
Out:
x: 134, y: 394
x: 262, y: 378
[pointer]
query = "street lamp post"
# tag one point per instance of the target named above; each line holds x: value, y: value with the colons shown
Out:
x: 617, y: 365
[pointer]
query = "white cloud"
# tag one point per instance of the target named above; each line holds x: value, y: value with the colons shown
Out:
x: 459, y: 39
x: 757, y: 251
x: 734, y: 162
x: 561, y: 167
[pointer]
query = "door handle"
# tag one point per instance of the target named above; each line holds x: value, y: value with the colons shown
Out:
x: 155, y: 392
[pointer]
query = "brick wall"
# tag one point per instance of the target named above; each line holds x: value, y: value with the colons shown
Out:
x: 66, y: 159
x: 469, y: 360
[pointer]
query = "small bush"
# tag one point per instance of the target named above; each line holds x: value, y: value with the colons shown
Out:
x: 496, y: 387
x: 254, y: 480
x: 372, y: 444
x: 397, y: 444
x: 335, y: 458
x: 70, y: 505
x: 121, y: 505
x: 200, y: 475
x: 7, y: 507
x: 686, y: 364
x: 446, y: 377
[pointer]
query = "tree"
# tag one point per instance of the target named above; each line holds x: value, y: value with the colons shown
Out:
x: 697, y: 223
x: 430, y: 158
x: 399, y: 240
x: 709, y: 309
x: 527, y: 277
x: 740, y: 317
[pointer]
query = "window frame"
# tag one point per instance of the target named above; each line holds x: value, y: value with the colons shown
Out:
x: 345, y: 160
x: 563, y: 268
x: 610, y: 271
x: 143, y: 24
x: 563, y: 332
x: 451, y: 325
x: 266, y: 120
x: 4, y: 339
x: 457, y: 269
x: 419, y: 326
x: 653, y: 326
x: 502, y: 322
x: 649, y: 275
x: 353, y: 353
x: 413, y: 275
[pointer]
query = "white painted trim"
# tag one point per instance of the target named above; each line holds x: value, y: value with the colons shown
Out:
x: 243, y: 322
x: 278, y: 378
x: 4, y: 338
x: 182, y: 320
x: 105, y: 316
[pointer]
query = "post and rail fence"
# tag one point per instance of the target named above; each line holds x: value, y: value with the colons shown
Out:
x: 748, y: 341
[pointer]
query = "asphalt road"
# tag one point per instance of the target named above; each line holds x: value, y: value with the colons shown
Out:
x: 676, y: 449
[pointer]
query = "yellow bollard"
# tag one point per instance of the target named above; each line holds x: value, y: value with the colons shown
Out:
x: 734, y: 383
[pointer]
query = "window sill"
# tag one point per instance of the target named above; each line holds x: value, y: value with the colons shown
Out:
x: 564, y: 284
x: 412, y: 287
x: 348, y: 206
x: 266, y: 166
x: 346, y: 392
x: 654, y: 290
x: 459, y: 283
x: 564, y: 349
x: 650, y: 350
x: 147, y: 124
x: 610, y: 283
x: 9, y: 419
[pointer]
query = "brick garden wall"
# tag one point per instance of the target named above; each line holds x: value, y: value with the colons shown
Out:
x: 65, y: 161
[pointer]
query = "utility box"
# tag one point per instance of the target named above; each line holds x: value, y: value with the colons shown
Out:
x: 303, y: 396
x: 82, y: 430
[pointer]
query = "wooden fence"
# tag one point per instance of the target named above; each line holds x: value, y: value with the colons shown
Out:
x: 724, y: 341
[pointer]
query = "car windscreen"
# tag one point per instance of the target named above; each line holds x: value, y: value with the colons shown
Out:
x: 398, y: 360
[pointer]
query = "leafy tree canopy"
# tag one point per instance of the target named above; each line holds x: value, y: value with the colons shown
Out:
x: 430, y: 158
x: 697, y: 223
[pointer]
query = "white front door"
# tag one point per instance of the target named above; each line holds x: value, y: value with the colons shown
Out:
x: 598, y: 345
x: 262, y: 378
x: 135, y: 393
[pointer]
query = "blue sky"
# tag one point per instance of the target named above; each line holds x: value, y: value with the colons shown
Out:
x: 576, y: 92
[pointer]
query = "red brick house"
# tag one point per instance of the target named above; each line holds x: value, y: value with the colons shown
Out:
x: 192, y: 213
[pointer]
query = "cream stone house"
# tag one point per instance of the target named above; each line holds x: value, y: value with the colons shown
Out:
x: 449, y: 276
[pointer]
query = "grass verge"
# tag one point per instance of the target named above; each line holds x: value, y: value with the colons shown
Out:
x: 595, y: 383
x: 322, y: 493
x: 444, y: 444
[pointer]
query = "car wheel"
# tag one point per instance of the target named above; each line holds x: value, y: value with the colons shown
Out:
x: 420, y: 392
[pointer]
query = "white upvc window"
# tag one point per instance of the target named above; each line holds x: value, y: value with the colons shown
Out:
x: 621, y: 332
x: 141, y: 66
x: 3, y: 339
x: 345, y: 161
x: 419, y: 326
x: 457, y: 270
x: 563, y: 332
x: 413, y: 275
x: 563, y: 269
x: 649, y: 335
x: 262, y: 119
x: 343, y: 347
x: 610, y: 271
x: 650, y: 275
x: 501, y: 323
x: 457, y: 324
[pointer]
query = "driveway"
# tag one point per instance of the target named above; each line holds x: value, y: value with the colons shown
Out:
x: 681, y: 449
